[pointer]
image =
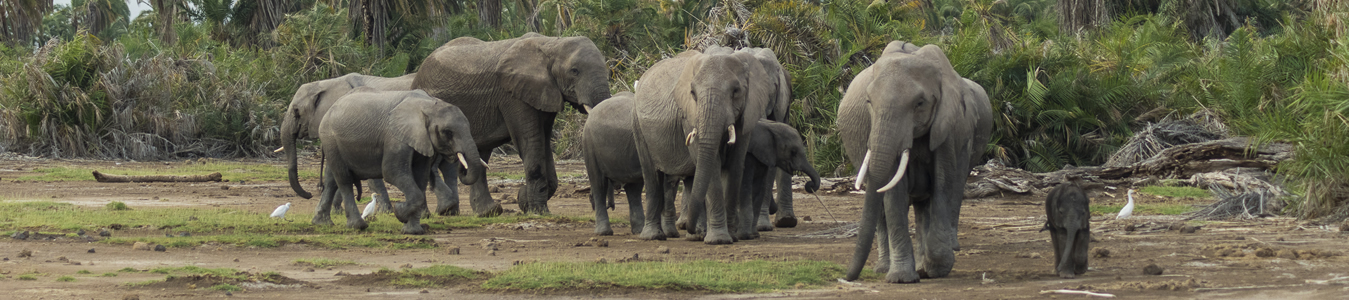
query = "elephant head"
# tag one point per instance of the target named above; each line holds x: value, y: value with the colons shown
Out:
x: 433, y: 127
x: 787, y: 148
x: 549, y: 71
x: 311, y: 102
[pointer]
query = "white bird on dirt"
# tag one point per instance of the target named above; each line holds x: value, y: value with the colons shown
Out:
x: 1128, y: 209
x: 280, y: 211
x: 370, y: 208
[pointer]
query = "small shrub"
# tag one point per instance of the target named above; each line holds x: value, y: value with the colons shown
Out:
x: 128, y: 270
x: 109, y: 274
x: 27, y: 277
x: 117, y: 205
x: 65, y: 279
x: 84, y: 272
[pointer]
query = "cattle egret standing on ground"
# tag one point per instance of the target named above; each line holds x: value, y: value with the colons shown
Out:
x: 370, y: 208
x: 1128, y: 207
x: 280, y: 211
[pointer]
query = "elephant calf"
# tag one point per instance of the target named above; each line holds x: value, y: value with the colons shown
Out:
x: 611, y: 158
x: 399, y: 136
x: 1069, y: 227
x: 773, y: 146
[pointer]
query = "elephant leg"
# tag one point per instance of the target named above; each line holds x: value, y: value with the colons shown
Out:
x: 746, y: 209
x: 322, y: 214
x: 719, y: 230
x: 667, y: 219
x: 599, y: 194
x: 786, y: 215
x: 345, y: 193
x: 480, y: 197
x: 413, y: 184
x: 533, y: 138
x: 446, y: 186
x: 1079, y: 255
x: 634, y: 191
x: 763, y: 191
x: 684, y: 214
x: 655, y: 195
x: 935, y: 226
x: 380, y: 195
x: 896, y: 211
x: 882, y: 246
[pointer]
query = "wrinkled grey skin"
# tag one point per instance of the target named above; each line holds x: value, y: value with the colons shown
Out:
x: 773, y: 146
x: 779, y: 107
x: 611, y: 160
x: 912, y: 101
x: 511, y: 90
x: 706, y: 92
x: 306, y: 110
x: 398, y: 136
x: 1069, y: 225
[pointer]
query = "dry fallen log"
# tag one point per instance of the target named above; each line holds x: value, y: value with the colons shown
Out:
x: 156, y: 178
x: 1189, y: 159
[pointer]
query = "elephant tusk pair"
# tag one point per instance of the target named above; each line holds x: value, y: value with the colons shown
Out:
x: 465, y: 161
x: 283, y: 148
x: 688, y: 139
x: 899, y: 174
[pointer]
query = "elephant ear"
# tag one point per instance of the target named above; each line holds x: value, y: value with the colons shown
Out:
x: 409, y: 122
x: 525, y: 74
x: 953, y: 120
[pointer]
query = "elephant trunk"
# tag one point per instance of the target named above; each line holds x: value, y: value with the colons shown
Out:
x: 1064, y: 266
x: 472, y: 162
x: 888, y: 144
x: 593, y: 91
x: 289, y: 132
x: 814, y: 184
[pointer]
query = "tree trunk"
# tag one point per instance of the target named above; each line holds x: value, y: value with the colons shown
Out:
x: 156, y: 178
x: 1077, y: 15
x: 166, y: 10
x: 489, y: 13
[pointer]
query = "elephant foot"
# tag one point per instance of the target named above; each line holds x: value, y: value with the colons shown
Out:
x: 763, y: 224
x: 604, y: 229
x: 652, y: 232
x: 745, y: 236
x: 495, y: 210
x: 694, y: 237
x: 718, y: 237
x: 787, y: 221
x: 322, y: 220
x: 414, y: 228
x: 1068, y: 274
x: 670, y: 230
x: 682, y: 223
x: 403, y: 212
x: 882, y: 268
x: 927, y: 272
x: 638, y: 230
x: 357, y: 223
x: 448, y: 208
x: 901, y: 277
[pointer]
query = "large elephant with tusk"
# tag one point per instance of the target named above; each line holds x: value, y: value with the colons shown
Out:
x: 915, y: 126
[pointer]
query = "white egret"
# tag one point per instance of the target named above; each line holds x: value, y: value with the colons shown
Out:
x: 1128, y: 207
x: 370, y: 208
x: 280, y: 211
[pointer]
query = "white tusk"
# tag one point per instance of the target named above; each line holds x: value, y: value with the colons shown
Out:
x: 462, y: 160
x: 731, y: 129
x: 689, y: 139
x: 903, y: 165
x: 862, y: 172
x: 283, y: 148
x: 484, y: 163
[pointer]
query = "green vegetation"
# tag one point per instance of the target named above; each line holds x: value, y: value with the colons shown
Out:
x: 1176, y: 191
x: 324, y: 262
x: 232, y: 171
x: 117, y: 205
x: 749, y: 276
x: 128, y: 270
x: 84, y: 272
x: 437, y: 275
x: 144, y: 283
x: 1144, y: 209
x: 65, y: 279
x: 109, y: 274
x: 27, y: 277
x: 226, y: 287
x: 1066, y: 88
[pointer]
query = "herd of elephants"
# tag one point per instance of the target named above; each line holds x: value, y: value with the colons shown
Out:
x: 711, y: 119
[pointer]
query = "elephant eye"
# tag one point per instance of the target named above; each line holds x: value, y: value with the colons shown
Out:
x: 695, y: 94
x: 575, y: 71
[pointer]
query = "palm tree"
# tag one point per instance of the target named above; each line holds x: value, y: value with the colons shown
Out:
x: 19, y: 19
x: 96, y: 16
x: 372, y: 17
x: 166, y: 11
x: 1077, y: 15
x: 489, y: 13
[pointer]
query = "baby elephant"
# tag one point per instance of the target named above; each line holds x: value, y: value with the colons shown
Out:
x: 1069, y: 226
x: 773, y: 145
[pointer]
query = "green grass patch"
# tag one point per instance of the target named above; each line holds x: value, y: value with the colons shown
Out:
x: 84, y: 272
x: 1144, y: 209
x: 129, y: 270
x: 27, y: 277
x: 437, y: 275
x: 224, y: 273
x: 749, y: 276
x: 65, y: 279
x: 109, y: 274
x: 226, y: 287
x: 117, y: 205
x: 324, y: 262
x: 1176, y: 191
x: 232, y: 171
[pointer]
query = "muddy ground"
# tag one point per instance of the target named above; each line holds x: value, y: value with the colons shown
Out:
x: 1004, y: 256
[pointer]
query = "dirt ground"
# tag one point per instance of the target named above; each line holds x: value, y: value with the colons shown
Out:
x: 1004, y: 256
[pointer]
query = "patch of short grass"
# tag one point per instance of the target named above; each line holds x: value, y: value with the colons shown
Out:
x: 27, y: 277
x: 129, y: 270
x: 324, y: 262
x: 117, y: 205
x: 226, y: 287
x: 748, y: 276
x: 1144, y: 209
x: 232, y: 171
x: 65, y: 279
x: 84, y: 272
x: 330, y: 241
x: 109, y: 274
x: 1176, y: 191
x: 428, y: 276
x: 224, y: 273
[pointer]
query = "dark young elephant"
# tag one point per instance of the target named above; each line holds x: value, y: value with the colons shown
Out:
x: 512, y: 90
x: 1069, y: 225
x: 306, y: 110
x: 773, y: 146
x: 611, y: 159
x: 912, y: 126
x: 397, y: 136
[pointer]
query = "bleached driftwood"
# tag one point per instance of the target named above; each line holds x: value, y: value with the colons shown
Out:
x: 100, y: 177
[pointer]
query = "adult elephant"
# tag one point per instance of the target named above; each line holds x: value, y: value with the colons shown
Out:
x: 914, y: 124
x: 511, y: 90
x: 779, y: 108
x: 305, y: 113
x: 689, y: 111
x: 397, y: 136
x: 611, y: 159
